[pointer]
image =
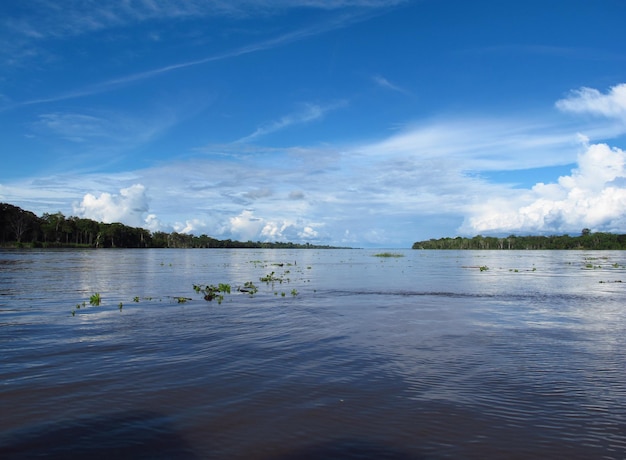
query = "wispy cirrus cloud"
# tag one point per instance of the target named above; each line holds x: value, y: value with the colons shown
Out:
x: 309, y: 113
x: 102, y: 128
x: 369, y: 192
x: 45, y: 19
x: 342, y: 20
x: 384, y: 83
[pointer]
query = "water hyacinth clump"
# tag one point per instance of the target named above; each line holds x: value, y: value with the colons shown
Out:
x: 212, y: 292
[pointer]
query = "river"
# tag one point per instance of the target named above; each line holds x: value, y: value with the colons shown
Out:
x: 338, y: 354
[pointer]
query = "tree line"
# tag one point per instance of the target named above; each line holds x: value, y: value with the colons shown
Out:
x: 586, y: 240
x: 21, y: 228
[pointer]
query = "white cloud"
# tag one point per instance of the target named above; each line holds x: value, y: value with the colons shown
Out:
x: 74, y: 127
x: 24, y: 36
x: 129, y: 207
x: 246, y: 226
x: 191, y: 226
x: 593, y: 196
x: 102, y: 131
x: 384, y: 83
x: 592, y: 101
x: 153, y: 223
x: 381, y: 192
x: 310, y: 112
x: 420, y: 182
x: 481, y: 144
x: 44, y: 19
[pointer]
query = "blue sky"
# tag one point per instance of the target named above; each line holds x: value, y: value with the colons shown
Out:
x: 369, y: 123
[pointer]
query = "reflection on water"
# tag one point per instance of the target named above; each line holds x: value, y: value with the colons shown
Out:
x: 423, y: 356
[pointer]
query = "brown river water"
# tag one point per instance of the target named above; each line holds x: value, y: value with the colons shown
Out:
x: 339, y: 354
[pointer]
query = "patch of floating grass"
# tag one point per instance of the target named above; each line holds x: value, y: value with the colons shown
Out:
x: 95, y: 299
x: 388, y: 254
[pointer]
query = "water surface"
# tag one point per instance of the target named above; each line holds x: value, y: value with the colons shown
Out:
x: 421, y: 356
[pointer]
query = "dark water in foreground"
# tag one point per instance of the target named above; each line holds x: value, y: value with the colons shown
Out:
x: 424, y: 356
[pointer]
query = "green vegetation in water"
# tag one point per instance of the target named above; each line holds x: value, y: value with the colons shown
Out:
x: 248, y: 288
x: 212, y: 292
x: 95, y: 299
x: 271, y: 278
x: 388, y: 254
x: 483, y: 268
x: 218, y: 291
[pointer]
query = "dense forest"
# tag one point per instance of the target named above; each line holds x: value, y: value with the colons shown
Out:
x: 586, y: 240
x: 20, y: 228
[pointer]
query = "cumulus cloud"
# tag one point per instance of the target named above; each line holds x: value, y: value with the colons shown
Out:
x: 129, y: 207
x: 247, y: 226
x: 192, y: 226
x: 592, y: 101
x: 593, y: 196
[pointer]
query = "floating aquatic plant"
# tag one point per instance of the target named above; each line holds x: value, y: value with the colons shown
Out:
x: 95, y: 299
x: 483, y: 268
x: 388, y: 254
x: 271, y: 278
x: 212, y: 292
x: 249, y: 288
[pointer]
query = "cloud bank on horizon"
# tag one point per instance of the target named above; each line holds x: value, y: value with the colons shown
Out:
x: 308, y: 121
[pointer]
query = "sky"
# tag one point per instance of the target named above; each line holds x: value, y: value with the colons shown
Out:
x: 362, y: 123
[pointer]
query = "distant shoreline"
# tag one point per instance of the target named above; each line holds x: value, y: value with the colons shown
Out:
x: 23, y: 229
x: 587, y: 240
